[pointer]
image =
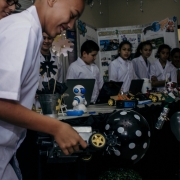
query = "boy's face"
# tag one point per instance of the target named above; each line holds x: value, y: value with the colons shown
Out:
x: 47, y: 42
x: 61, y: 15
x: 89, y: 58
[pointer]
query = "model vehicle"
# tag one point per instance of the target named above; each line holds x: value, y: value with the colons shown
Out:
x: 129, y: 96
x: 113, y: 99
x: 96, y: 141
x: 160, y: 96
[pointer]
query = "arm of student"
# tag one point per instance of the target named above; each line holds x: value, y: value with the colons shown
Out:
x: 112, y: 72
x: 156, y: 83
x: 71, y: 73
x: 67, y: 138
x: 178, y: 77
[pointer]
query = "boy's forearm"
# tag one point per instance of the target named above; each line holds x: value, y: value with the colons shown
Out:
x: 14, y: 113
x: 158, y: 83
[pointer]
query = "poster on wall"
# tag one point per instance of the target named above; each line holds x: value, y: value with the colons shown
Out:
x: 109, y: 40
x: 157, y: 32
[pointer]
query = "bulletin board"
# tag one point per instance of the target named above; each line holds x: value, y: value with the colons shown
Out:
x: 158, y: 32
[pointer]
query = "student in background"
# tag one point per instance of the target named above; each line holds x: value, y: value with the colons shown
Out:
x: 85, y: 68
x: 50, y: 65
x: 140, y: 62
x: 175, y: 58
x: 121, y: 69
x: 162, y: 70
x: 7, y: 7
x: 48, y: 56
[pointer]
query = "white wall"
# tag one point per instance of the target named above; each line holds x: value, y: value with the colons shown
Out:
x: 121, y: 14
x: 92, y: 16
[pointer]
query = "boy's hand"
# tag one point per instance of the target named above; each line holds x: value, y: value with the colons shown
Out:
x: 68, y: 139
x: 154, y: 78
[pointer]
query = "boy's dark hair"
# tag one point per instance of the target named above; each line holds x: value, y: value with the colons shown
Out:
x: 140, y: 47
x: 89, y: 46
x: 175, y: 50
x: 160, y: 48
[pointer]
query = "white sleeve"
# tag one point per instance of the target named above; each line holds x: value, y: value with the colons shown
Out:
x: 134, y: 65
x: 100, y: 79
x: 113, y: 76
x: 152, y: 70
x: 71, y: 73
x: 14, y: 44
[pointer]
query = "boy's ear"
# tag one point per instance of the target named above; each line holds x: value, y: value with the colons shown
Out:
x: 84, y: 53
x: 51, y: 2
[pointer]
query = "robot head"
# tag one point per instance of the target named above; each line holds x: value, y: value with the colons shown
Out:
x: 79, y: 90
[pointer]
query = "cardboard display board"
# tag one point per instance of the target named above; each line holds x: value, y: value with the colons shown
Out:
x: 108, y: 39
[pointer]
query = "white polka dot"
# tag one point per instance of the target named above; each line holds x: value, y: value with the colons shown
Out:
x: 107, y: 126
x: 117, y: 153
x: 132, y: 145
x: 137, y: 117
x: 138, y: 133
x: 123, y: 113
x: 134, y: 157
x: 142, y: 156
x: 145, y: 145
x: 149, y: 133
x: 120, y: 130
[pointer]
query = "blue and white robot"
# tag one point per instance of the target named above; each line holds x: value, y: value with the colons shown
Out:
x: 79, y: 102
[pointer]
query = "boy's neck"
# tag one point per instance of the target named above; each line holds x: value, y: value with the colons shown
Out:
x: 45, y: 52
x: 85, y: 61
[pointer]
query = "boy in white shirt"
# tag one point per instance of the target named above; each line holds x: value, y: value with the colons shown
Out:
x: 20, y: 42
x: 84, y: 67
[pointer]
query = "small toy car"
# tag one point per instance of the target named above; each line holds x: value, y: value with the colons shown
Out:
x: 96, y: 141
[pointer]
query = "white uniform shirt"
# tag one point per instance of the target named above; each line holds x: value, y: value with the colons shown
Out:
x: 57, y: 75
x: 80, y: 70
x: 169, y: 72
x: 122, y: 71
x: 20, y: 41
x: 142, y: 70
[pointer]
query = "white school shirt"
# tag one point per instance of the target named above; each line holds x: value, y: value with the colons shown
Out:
x: 122, y: 71
x: 79, y: 70
x: 169, y: 72
x: 20, y: 41
x: 142, y: 70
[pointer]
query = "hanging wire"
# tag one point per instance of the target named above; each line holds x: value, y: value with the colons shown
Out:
x: 127, y: 1
x: 141, y: 6
x: 100, y: 12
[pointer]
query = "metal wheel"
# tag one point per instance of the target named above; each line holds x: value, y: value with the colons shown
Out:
x: 97, y: 140
x: 154, y: 99
x: 150, y: 96
x: 111, y: 102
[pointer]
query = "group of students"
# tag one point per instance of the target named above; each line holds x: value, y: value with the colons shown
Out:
x: 124, y: 70
x: 164, y: 68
